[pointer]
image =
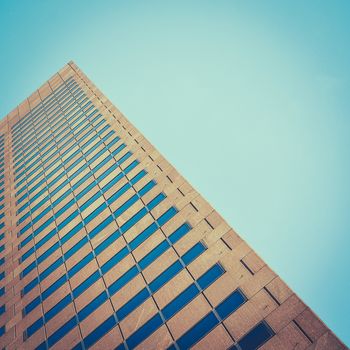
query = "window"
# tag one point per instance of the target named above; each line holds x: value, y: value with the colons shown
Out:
x: 143, y: 332
x: 255, y: 338
x: 231, y: 304
x: 198, y: 331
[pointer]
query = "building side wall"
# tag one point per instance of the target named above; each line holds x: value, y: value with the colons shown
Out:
x: 269, y: 301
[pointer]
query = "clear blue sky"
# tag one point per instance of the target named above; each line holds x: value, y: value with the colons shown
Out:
x: 250, y: 100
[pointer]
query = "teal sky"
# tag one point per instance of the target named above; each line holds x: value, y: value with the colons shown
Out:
x: 249, y: 100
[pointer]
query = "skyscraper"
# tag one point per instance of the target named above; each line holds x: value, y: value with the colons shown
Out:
x: 104, y: 245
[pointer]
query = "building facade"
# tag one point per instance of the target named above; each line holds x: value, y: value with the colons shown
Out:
x: 104, y: 245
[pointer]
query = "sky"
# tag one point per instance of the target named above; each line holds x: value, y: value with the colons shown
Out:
x: 249, y: 100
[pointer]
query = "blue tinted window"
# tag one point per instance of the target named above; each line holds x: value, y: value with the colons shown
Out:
x: 143, y: 332
x: 72, y: 232
x: 48, y: 252
x: 154, y: 202
x: 77, y: 347
x: 123, y: 280
x: 92, y: 306
x: 25, y: 241
x: 30, y: 285
x: 62, y: 331
x: 29, y: 268
x: 138, y: 177
x: 45, y: 239
x: 134, y: 219
x: 107, y: 242
x: 51, y: 268
x: 2, y: 309
x: 99, y: 332
x: 59, y: 200
x: 132, y: 304
x: 36, y: 232
x: 77, y: 267
x: 230, y: 304
x: 99, y: 228
x: 192, y: 291
x: 118, y: 150
x: 68, y: 220
x: 34, y: 327
x: 97, y: 155
x: 179, y: 233
x: 26, y: 227
x: 60, y: 282
x: 180, y: 301
x: 114, y: 260
x: 256, y: 337
x: 97, y: 211
x: 31, y: 306
x: 92, y: 199
x: 165, y: 276
x: 25, y: 216
x: 27, y: 254
x: 147, y: 188
x: 143, y: 236
x: 58, y: 307
x: 163, y: 246
x: 198, y: 331
x: 154, y: 254
x: 193, y: 253
x: 167, y: 216
x: 111, y: 183
x: 86, y: 284
x: 126, y: 205
x: 102, y: 163
x: 211, y: 275
x: 76, y: 247
x: 41, y: 215
x: 64, y: 208
x: 116, y: 165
